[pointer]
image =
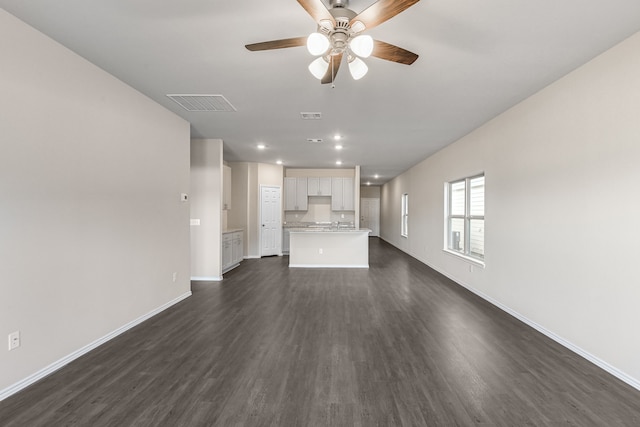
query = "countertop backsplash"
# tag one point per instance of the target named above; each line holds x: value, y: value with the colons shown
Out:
x: 319, y: 210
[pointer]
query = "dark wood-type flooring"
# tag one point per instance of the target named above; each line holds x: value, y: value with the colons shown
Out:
x: 395, y: 345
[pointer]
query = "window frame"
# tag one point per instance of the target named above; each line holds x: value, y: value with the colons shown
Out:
x: 404, y: 215
x: 467, y: 218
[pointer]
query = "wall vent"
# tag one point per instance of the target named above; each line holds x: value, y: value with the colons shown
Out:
x: 217, y: 103
x: 311, y: 116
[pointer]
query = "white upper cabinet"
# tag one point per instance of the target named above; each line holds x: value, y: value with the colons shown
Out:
x: 295, y: 194
x: 342, y: 194
x: 319, y: 186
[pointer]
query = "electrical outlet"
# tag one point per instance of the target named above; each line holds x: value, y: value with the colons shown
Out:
x: 14, y: 340
x: 175, y: 276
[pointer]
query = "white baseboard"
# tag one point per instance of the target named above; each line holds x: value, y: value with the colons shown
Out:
x: 560, y: 340
x: 252, y: 257
x: 206, y: 278
x: 12, y: 389
x: 633, y: 382
x: 327, y: 266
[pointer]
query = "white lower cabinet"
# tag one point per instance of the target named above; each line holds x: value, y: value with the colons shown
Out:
x: 237, y: 247
x: 232, y: 249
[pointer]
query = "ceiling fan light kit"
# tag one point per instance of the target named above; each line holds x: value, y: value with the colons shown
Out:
x: 317, y: 44
x: 362, y: 45
x: 339, y: 31
x: 319, y: 67
x: 357, y: 68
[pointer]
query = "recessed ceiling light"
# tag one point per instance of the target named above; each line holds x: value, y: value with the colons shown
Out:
x: 368, y: 183
x: 278, y: 162
x: 338, y: 163
x: 261, y: 146
x: 376, y: 176
x: 337, y: 137
x: 339, y: 147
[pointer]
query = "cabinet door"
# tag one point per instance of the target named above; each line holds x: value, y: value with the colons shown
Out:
x: 237, y: 247
x: 324, y: 186
x: 295, y: 194
x: 313, y: 186
x: 227, y: 254
x: 290, y: 194
x: 342, y: 194
x: 301, y: 195
x: 348, y: 203
x: 336, y: 194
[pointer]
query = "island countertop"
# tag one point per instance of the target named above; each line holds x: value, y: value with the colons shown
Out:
x: 328, y: 230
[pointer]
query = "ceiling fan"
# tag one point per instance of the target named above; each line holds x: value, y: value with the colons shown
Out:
x: 339, y: 34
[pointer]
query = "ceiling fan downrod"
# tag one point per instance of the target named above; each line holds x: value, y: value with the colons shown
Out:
x: 339, y: 3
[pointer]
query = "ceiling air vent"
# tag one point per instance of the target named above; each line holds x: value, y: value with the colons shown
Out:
x: 311, y: 116
x: 314, y: 140
x: 203, y: 102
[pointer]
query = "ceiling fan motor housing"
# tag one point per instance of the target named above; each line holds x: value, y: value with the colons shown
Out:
x: 341, y: 33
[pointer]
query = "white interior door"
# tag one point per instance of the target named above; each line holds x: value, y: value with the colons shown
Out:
x: 370, y: 215
x: 270, y: 221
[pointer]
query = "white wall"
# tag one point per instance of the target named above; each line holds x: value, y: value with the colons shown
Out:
x: 370, y: 191
x: 562, y: 237
x: 91, y: 224
x: 206, y: 206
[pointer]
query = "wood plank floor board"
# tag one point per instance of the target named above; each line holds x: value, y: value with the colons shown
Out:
x: 393, y: 345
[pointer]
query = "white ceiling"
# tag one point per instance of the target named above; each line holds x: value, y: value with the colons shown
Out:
x: 477, y: 59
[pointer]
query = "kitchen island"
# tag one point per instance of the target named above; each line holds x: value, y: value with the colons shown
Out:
x: 329, y: 248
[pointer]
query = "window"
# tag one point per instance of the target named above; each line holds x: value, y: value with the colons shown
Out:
x: 465, y: 217
x: 404, y: 229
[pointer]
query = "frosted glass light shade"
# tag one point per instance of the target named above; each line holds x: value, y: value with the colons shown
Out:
x: 319, y: 67
x: 317, y: 44
x: 358, y: 68
x: 362, y: 46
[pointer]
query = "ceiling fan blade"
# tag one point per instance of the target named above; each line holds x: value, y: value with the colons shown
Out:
x: 317, y: 10
x: 393, y: 53
x: 334, y: 65
x: 381, y: 11
x: 278, y: 44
